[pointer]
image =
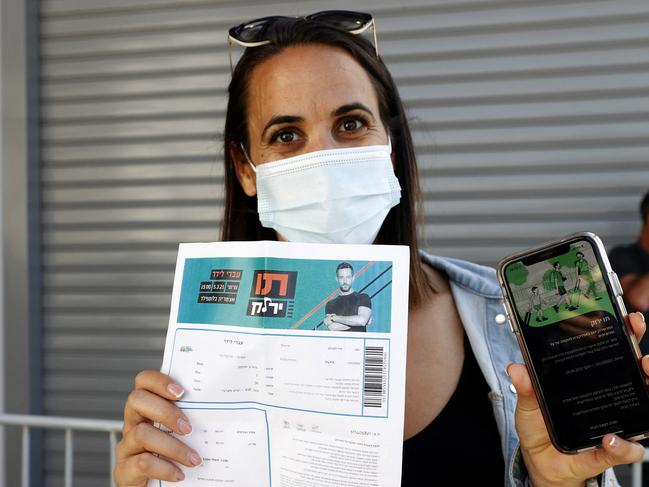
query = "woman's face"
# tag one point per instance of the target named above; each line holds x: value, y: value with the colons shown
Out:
x: 307, y: 98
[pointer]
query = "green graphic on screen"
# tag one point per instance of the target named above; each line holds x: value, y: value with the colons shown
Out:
x: 559, y: 288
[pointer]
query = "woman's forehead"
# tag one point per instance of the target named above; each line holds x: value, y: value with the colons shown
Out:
x: 308, y: 80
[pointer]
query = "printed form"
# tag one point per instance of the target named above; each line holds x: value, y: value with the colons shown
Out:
x: 293, y: 359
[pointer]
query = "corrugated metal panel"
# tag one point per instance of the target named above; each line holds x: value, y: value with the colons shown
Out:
x: 531, y: 120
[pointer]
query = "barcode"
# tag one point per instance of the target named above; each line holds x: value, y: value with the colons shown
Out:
x: 374, y: 377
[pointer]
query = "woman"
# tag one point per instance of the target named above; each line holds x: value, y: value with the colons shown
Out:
x: 305, y: 86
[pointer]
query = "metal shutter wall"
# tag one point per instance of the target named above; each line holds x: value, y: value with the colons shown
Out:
x: 530, y: 119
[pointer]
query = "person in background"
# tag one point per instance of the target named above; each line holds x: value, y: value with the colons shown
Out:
x: 631, y: 263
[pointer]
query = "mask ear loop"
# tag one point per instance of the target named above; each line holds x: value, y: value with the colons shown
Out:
x: 243, y: 149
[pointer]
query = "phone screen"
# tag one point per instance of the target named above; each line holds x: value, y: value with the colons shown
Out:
x: 589, y: 376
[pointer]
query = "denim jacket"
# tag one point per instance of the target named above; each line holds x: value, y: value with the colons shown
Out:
x: 480, y: 306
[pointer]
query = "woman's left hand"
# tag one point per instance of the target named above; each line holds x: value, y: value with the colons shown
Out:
x: 547, y: 466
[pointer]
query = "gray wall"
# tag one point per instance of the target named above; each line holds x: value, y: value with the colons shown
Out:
x: 530, y: 119
x: 20, y: 216
x: 2, y: 323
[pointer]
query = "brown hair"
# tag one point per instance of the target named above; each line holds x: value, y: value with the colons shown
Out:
x: 241, y: 220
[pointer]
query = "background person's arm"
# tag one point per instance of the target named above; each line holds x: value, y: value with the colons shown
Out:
x: 636, y: 290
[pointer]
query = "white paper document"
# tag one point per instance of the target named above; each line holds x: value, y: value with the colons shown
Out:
x: 293, y: 360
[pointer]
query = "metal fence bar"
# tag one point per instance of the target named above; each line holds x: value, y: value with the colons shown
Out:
x: 113, y: 443
x: 69, y: 459
x: 59, y: 422
x: 636, y: 475
x: 636, y: 470
x: 25, y: 458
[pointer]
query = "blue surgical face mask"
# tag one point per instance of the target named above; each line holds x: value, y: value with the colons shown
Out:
x: 328, y: 196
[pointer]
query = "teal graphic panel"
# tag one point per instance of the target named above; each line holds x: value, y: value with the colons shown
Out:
x: 277, y: 293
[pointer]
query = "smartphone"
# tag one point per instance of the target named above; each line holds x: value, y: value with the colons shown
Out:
x: 565, y: 306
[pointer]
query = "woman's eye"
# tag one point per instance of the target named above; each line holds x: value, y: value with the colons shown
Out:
x: 285, y: 137
x: 351, y: 124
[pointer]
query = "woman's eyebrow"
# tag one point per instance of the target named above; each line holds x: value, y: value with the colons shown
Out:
x: 351, y: 107
x: 280, y: 119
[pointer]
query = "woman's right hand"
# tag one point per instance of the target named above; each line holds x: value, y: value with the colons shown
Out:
x: 152, y: 402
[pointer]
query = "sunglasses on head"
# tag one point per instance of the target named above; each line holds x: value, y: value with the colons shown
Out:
x: 253, y: 33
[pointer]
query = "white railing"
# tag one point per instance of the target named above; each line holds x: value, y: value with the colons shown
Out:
x: 69, y: 425
x: 636, y: 470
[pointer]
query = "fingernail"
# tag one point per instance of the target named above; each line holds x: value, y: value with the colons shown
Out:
x: 180, y: 475
x: 613, y: 442
x: 195, y: 459
x: 642, y: 316
x: 507, y: 370
x: 184, y: 427
x: 175, y: 390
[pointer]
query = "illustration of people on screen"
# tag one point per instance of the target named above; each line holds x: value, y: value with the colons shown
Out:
x: 349, y: 311
x: 555, y: 280
x: 583, y: 274
x: 536, y: 306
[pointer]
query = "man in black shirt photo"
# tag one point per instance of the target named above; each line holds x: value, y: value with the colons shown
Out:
x: 631, y: 263
x: 349, y: 311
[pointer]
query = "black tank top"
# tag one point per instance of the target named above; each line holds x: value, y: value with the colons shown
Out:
x: 461, y: 446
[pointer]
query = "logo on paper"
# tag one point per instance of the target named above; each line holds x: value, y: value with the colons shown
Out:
x: 272, y: 293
